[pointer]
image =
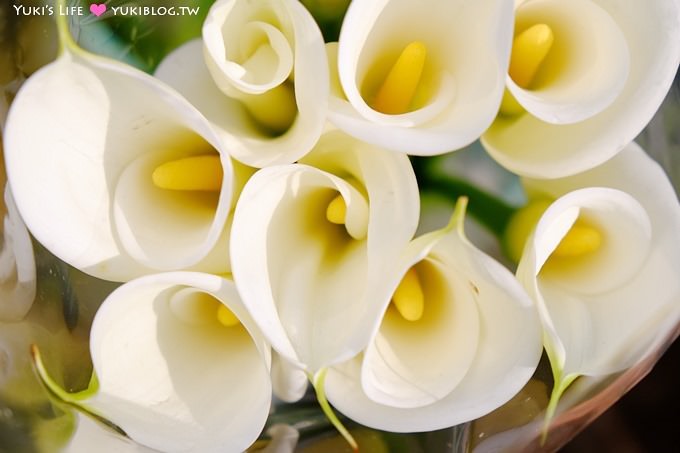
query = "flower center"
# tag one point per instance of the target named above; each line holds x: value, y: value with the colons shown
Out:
x: 346, y: 209
x: 274, y: 110
x: 226, y: 317
x: 582, y: 239
x: 409, y: 299
x: 521, y: 226
x: 336, y: 212
x: 201, y: 309
x: 529, y: 50
x: 396, y: 94
x: 197, y: 173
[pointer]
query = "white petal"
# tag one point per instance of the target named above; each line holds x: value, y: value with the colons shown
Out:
x: 176, y: 382
x: 316, y: 291
x: 561, y: 288
x: 288, y: 381
x: 90, y: 436
x: 96, y: 117
x: 468, y: 45
x: 626, y: 241
x: 631, y: 171
x: 506, y: 353
x: 644, y: 305
x: 413, y: 364
x: 167, y: 229
x: 584, y: 33
x: 17, y: 265
x: 243, y: 50
x: 534, y: 148
x: 271, y: 225
x: 186, y: 70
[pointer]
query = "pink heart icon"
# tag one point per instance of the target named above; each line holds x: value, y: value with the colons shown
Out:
x: 98, y: 10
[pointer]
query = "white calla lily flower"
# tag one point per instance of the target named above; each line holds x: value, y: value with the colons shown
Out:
x: 115, y: 173
x: 420, y: 77
x: 17, y: 265
x: 92, y: 436
x: 289, y: 382
x: 179, y: 365
x: 259, y: 73
x: 459, y: 339
x: 310, y: 244
x: 585, y: 78
x: 601, y: 265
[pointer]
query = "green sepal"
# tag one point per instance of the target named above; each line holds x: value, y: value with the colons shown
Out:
x: 561, y: 384
x: 76, y: 400
x: 318, y: 381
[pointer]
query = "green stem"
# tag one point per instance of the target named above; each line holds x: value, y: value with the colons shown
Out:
x: 492, y: 212
x: 74, y: 400
x: 65, y: 39
x: 318, y: 382
x: 561, y: 384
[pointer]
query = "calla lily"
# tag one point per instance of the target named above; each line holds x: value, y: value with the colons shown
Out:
x: 17, y: 266
x: 310, y: 244
x: 420, y: 77
x: 103, y: 162
x: 289, y: 382
x: 259, y: 73
x: 459, y: 338
x: 585, y: 78
x: 601, y: 264
x: 179, y: 365
x: 91, y: 436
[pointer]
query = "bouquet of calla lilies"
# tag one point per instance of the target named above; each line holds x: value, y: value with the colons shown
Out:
x: 256, y: 199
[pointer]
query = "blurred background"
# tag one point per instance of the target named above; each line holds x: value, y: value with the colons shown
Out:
x: 646, y: 419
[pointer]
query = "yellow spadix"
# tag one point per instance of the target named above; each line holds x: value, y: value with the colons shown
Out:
x: 202, y: 173
x: 399, y: 88
x: 409, y: 299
